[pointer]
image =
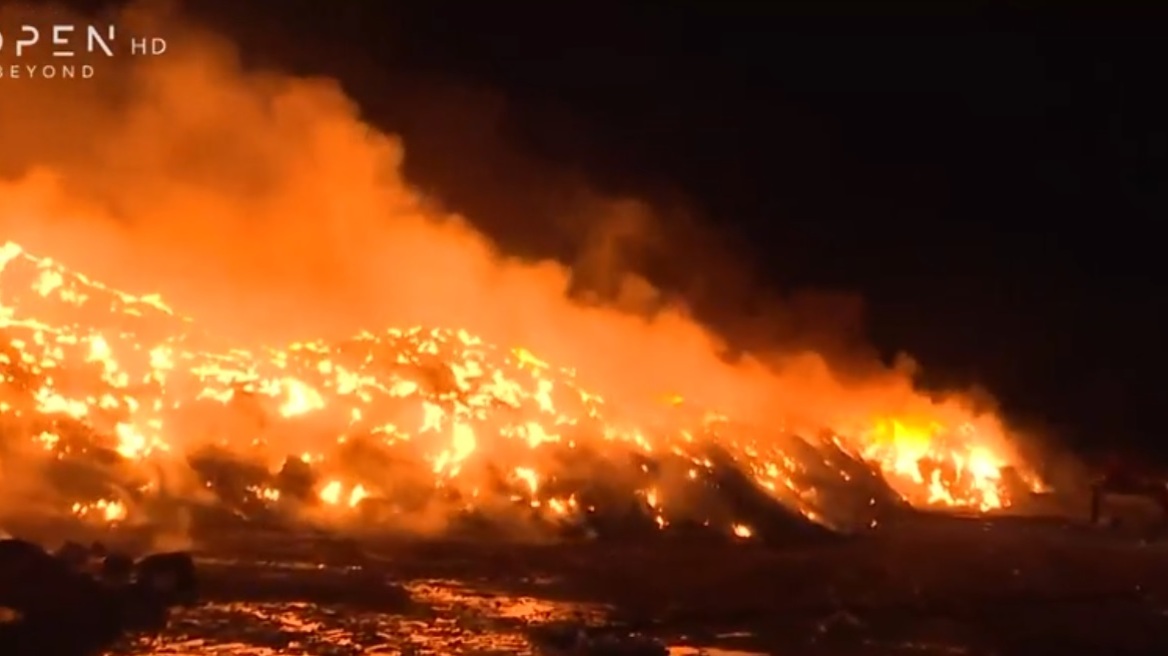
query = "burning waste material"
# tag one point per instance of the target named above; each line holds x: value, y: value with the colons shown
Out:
x: 127, y: 410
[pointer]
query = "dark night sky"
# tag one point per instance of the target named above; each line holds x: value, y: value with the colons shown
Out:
x: 991, y: 184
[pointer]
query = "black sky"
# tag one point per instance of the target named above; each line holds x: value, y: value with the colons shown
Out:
x: 991, y: 183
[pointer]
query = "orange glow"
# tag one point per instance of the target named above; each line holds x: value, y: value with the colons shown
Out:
x: 142, y: 378
x: 312, y: 302
x: 741, y: 531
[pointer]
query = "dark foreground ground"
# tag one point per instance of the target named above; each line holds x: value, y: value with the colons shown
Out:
x: 926, y: 585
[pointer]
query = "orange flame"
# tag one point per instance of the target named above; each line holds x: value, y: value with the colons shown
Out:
x: 128, y: 367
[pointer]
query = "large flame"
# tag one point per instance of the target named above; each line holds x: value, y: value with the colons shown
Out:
x: 126, y: 373
x: 262, y: 205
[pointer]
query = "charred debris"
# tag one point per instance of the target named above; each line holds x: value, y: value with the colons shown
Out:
x: 81, y: 600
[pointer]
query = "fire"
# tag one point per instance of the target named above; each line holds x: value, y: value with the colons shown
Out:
x: 105, y: 510
x: 88, y: 368
x: 930, y: 457
x: 334, y: 493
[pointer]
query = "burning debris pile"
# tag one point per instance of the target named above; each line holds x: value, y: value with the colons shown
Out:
x: 128, y: 410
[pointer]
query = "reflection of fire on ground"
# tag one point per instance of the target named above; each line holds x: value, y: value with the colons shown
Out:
x: 106, y: 392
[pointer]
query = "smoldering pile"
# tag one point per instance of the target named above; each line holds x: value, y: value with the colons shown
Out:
x: 116, y: 410
x: 591, y: 496
x: 583, y: 493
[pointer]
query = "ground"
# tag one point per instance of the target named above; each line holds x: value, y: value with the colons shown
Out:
x: 924, y: 584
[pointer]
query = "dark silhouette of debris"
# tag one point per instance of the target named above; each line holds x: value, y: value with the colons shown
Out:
x: 117, y: 569
x: 80, y: 600
x: 569, y: 637
x: 169, y: 575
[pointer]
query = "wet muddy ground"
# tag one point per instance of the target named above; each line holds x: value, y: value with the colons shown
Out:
x: 924, y: 586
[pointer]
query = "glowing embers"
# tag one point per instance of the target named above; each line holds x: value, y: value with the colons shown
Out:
x: 418, y: 422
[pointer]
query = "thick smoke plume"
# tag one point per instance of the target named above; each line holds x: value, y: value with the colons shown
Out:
x: 265, y: 207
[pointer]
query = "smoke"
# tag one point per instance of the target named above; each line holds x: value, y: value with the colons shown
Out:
x: 263, y: 205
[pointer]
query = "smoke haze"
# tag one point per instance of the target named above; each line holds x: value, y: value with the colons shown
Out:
x: 265, y: 207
